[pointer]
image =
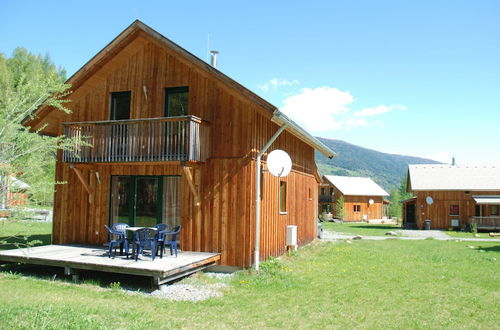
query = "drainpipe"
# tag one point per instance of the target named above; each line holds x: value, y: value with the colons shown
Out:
x: 257, y: 194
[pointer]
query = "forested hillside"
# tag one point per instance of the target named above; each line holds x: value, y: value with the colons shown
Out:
x: 352, y: 160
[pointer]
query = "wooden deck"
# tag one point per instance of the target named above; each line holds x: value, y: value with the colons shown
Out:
x: 74, y: 257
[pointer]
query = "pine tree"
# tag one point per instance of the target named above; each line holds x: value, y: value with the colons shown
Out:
x: 339, y: 208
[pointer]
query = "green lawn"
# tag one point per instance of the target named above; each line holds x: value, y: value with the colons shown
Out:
x: 363, y: 284
x: 17, y: 233
x: 359, y: 228
x: 461, y: 234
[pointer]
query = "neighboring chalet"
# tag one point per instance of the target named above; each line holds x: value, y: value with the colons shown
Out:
x: 325, y: 199
x: 177, y: 141
x: 363, y: 198
x: 453, y: 196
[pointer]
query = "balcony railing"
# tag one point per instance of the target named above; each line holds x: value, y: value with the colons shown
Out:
x: 491, y: 222
x: 184, y: 138
x: 325, y: 198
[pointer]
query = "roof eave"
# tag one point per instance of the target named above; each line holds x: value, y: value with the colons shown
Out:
x: 292, y: 127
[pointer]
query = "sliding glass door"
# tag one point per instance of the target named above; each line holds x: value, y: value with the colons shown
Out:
x: 144, y: 201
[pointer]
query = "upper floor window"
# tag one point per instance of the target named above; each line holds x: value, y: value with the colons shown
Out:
x: 176, y: 101
x: 357, y: 208
x: 120, y: 105
x: 331, y: 191
x: 322, y: 191
x: 494, y: 210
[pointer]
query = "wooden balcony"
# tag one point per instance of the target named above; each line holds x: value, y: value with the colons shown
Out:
x: 486, y: 223
x: 184, y: 138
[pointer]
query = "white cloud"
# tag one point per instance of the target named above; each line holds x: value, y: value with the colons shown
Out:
x: 277, y: 82
x: 443, y: 157
x: 327, y: 108
x: 378, y: 110
x: 316, y: 109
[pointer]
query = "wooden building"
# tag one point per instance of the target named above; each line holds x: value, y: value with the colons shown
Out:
x: 174, y: 140
x: 363, y: 198
x: 325, y: 199
x: 453, y: 196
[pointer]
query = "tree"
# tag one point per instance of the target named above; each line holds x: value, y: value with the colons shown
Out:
x: 27, y: 81
x: 395, y: 209
x: 397, y: 195
x: 339, y: 208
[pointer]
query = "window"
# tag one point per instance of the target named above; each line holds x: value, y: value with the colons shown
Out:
x: 120, y: 105
x: 454, y: 210
x: 309, y: 195
x: 176, y: 101
x: 494, y: 210
x: 331, y: 191
x: 357, y: 208
x: 322, y: 191
x: 283, y: 197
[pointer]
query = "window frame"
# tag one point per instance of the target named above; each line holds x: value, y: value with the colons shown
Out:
x: 172, y: 90
x: 113, y: 99
x: 356, y: 208
x: 452, y: 210
x: 497, y: 213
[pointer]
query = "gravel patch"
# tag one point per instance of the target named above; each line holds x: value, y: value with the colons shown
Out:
x: 436, y: 234
x: 190, y: 292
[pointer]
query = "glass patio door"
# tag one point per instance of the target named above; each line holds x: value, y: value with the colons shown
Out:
x: 144, y: 201
x: 136, y: 200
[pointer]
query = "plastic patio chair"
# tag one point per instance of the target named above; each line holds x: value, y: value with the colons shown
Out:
x: 117, y: 236
x: 172, y: 242
x: 161, y: 226
x: 145, y: 238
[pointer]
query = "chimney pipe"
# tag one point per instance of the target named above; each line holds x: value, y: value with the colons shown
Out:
x: 213, y: 58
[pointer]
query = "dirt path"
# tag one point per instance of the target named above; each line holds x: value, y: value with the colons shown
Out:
x: 406, y: 234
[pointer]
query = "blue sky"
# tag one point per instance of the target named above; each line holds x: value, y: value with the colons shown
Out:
x: 418, y: 78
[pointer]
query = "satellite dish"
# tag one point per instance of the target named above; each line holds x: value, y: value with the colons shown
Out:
x: 279, y: 163
x: 429, y: 200
x: 371, y: 201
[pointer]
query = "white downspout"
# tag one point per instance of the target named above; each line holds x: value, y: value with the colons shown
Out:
x: 257, y: 194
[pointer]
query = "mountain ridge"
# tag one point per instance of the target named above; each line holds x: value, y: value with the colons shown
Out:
x: 352, y: 160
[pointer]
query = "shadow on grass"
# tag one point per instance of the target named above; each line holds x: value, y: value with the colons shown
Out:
x: 93, y: 278
x: 21, y: 241
x: 495, y: 248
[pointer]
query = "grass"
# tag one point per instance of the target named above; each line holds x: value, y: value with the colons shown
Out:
x: 359, y: 228
x: 462, y: 234
x: 18, y: 233
x: 363, y: 284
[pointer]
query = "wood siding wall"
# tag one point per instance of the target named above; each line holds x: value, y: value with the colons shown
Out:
x: 224, y: 220
x: 439, y: 211
x: 373, y: 211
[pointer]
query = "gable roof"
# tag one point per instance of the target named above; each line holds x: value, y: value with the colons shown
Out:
x: 138, y: 27
x: 356, y: 186
x: 453, y: 177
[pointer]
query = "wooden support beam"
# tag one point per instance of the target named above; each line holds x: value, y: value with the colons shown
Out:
x: 189, y: 177
x: 82, y: 180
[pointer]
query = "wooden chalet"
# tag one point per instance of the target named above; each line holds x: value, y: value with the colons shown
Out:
x: 174, y: 140
x: 363, y: 198
x: 453, y: 196
x: 325, y: 198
